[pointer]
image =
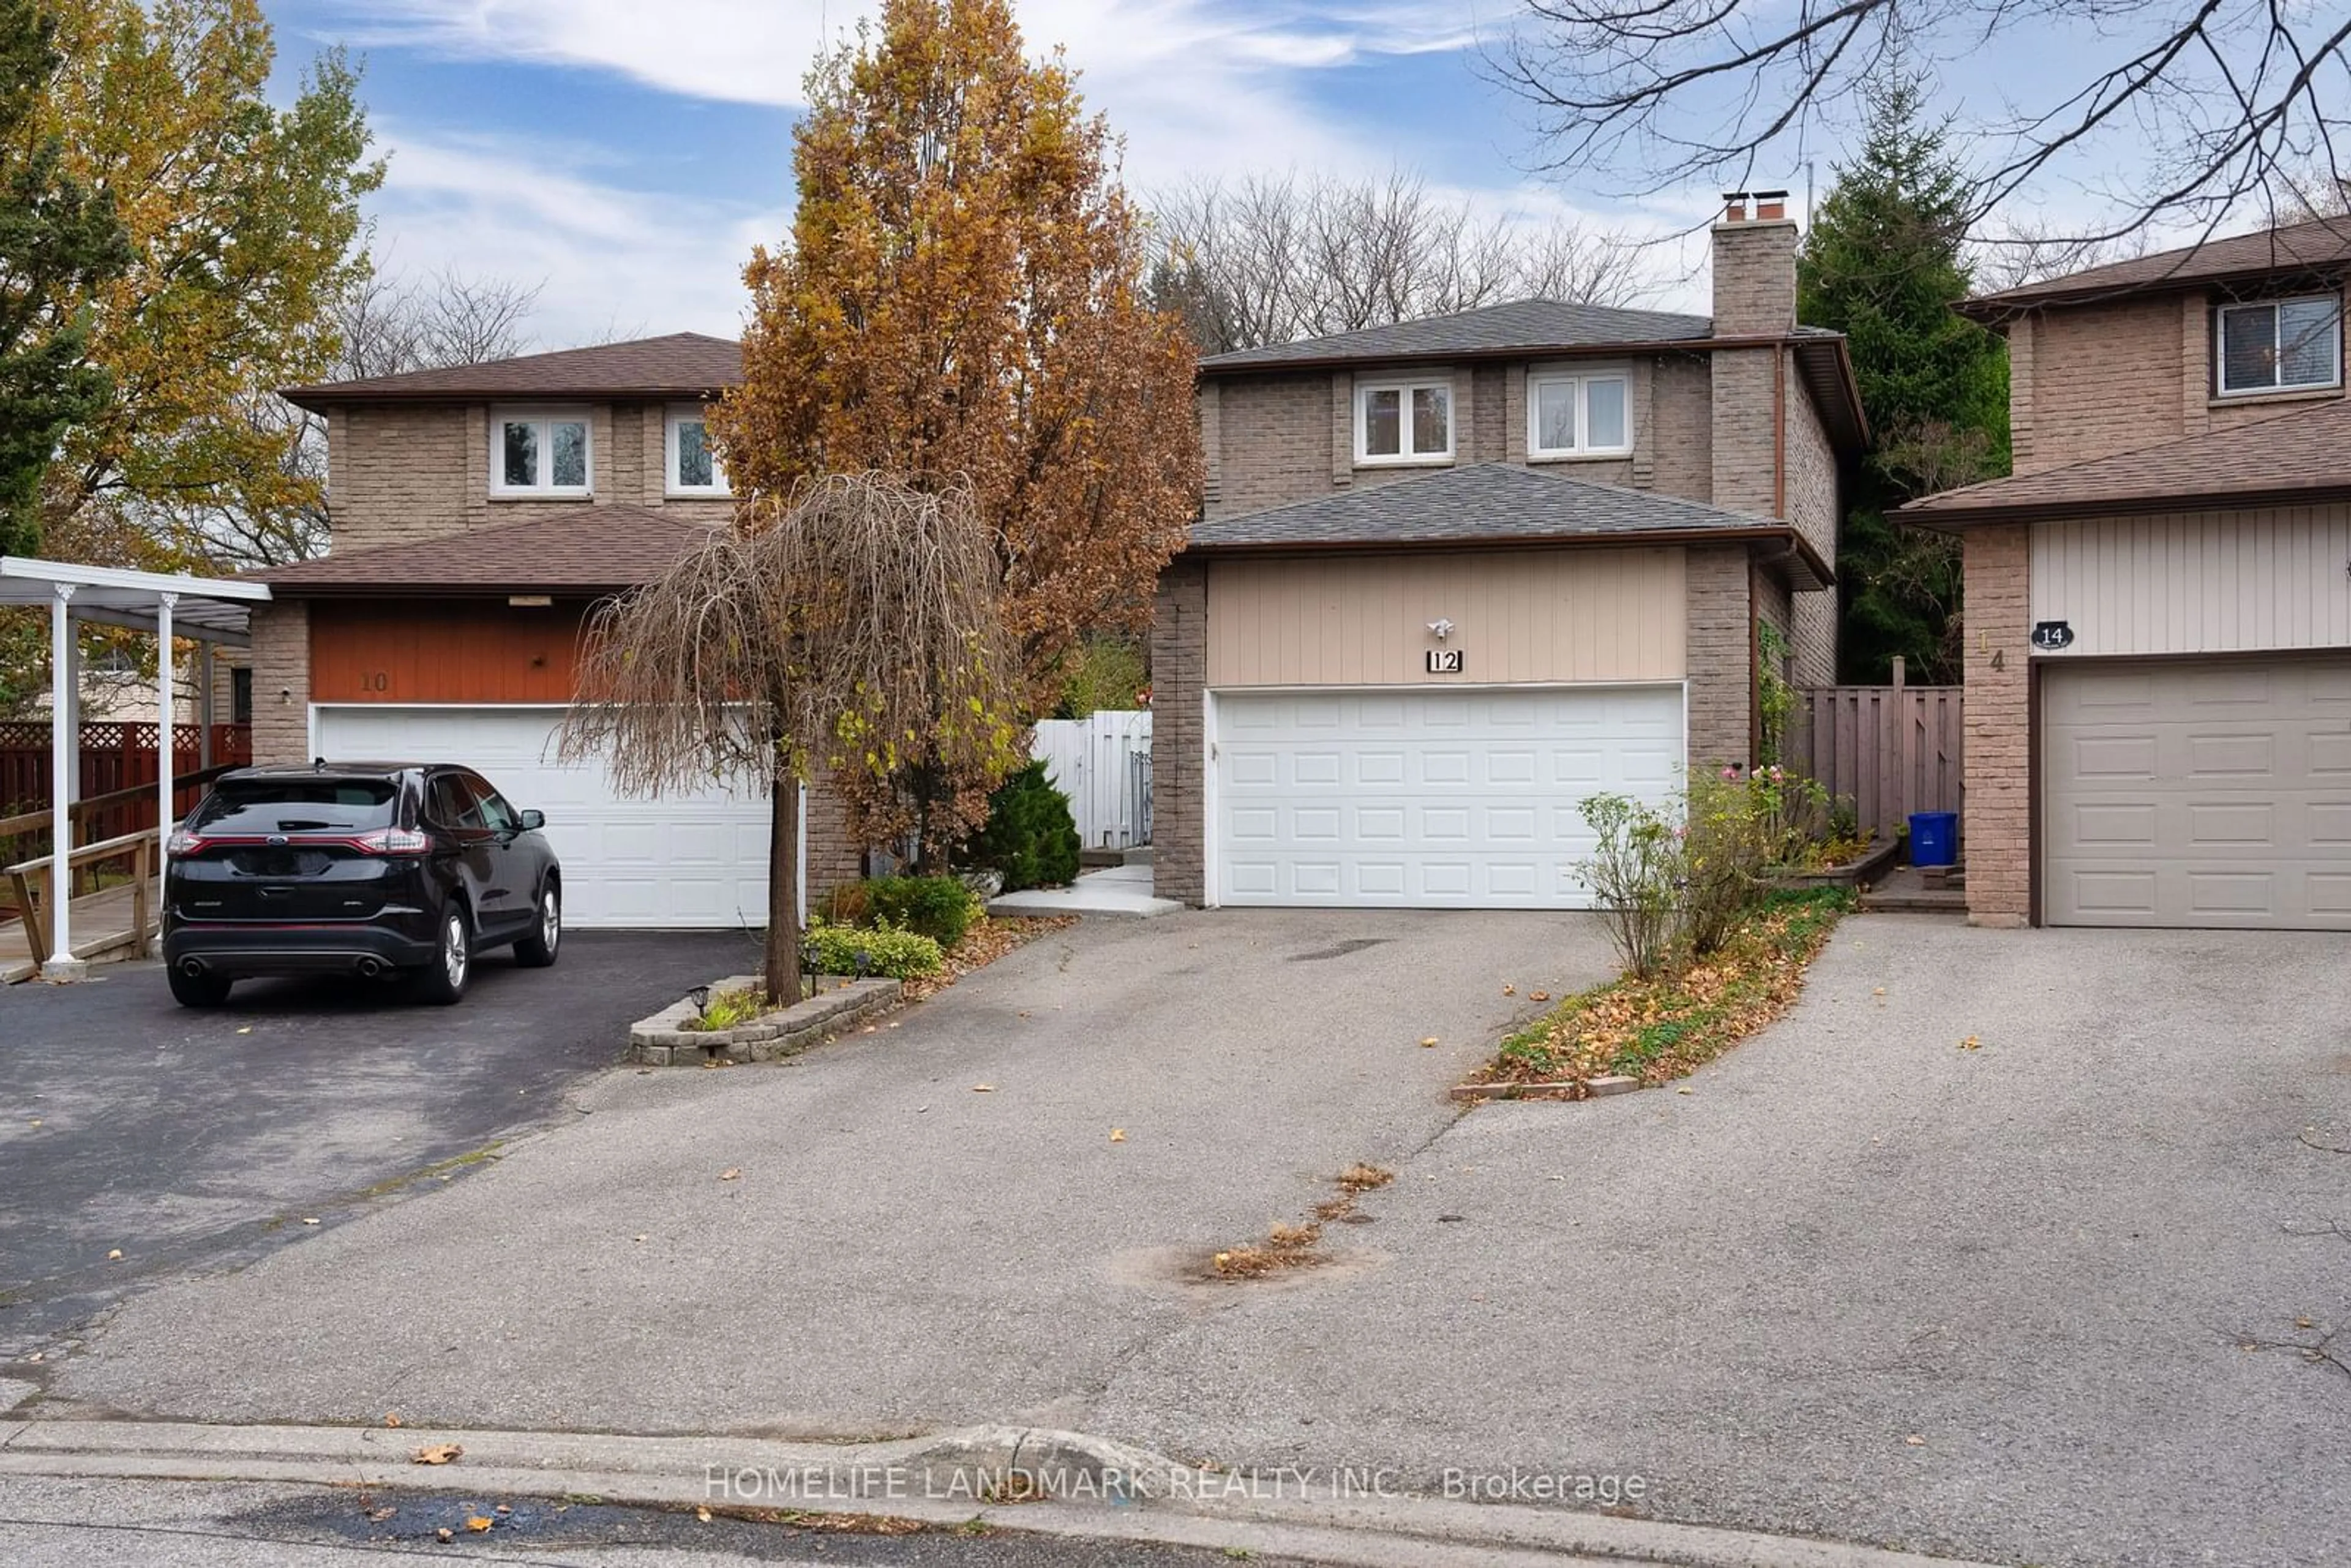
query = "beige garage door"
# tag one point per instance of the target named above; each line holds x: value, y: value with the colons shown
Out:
x: 2199, y: 794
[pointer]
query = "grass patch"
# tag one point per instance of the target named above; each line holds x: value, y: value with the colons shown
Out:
x: 727, y: 1009
x: 1667, y: 1028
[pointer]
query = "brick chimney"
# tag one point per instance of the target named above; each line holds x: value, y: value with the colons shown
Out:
x: 1754, y: 264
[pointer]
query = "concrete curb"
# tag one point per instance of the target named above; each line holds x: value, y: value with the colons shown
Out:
x: 1594, y: 1088
x: 941, y: 1480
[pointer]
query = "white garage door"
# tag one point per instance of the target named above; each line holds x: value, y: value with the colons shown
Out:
x: 680, y: 861
x: 2198, y: 794
x: 1457, y: 799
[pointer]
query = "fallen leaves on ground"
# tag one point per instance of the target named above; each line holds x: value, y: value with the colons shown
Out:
x: 730, y: 1173
x: 989, y: 938
x: 436, y: 1453
x: 479, y: 1523
x: 1666, y: 1028
x: 392, y: 1419
x: 1118, y: 1134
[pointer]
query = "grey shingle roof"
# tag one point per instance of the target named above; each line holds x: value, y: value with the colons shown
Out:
x: 587, y: 550
x: 1522, y: 323
x: 683, y: 364
x: 2322, y: 244
x: 1485, y: 502
x: 2300, y: 457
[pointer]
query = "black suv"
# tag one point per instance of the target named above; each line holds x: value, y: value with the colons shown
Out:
x: 369, y: 869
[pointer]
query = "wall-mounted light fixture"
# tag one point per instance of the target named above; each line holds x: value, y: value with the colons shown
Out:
x: 1442, y: 627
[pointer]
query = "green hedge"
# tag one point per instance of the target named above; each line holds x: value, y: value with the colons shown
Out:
x: 884, y: 950
x: 939, y: 908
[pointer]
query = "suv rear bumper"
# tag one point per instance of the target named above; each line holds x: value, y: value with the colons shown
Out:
x: 260, y: 948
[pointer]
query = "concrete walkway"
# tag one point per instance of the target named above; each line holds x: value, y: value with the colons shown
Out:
x: 1119, y: 890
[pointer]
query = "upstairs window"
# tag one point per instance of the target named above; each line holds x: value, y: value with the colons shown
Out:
x: 1586, y: 416
x: 540, y: 452
x: 693, y: 469
x: 2282, y: 345
x: 1404, y: 422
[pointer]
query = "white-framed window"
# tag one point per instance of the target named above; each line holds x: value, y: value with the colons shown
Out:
x: 1586, y: 414
x: 541, y: 452
x: 1403, y: 420
x: 2280, y: 345
x: 689, y: 466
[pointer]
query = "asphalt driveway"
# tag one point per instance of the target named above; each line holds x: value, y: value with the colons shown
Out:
x: 192, y: 1139
x: 929, y: 1225
x: 1865, y: 1283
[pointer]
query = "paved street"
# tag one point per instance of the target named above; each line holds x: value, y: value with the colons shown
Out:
x: 180, y: 1524
x: 188, y: 1140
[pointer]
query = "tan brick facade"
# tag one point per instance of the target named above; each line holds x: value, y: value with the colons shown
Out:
x: 1179, y: 655
x: 281, y: 682
x: 1998, y: 829
x: 1720, y: 642
x: 405, y: 473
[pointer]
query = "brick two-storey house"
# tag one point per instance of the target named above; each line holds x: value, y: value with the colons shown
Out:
x: 1453, y: 575
x: 479, y: 513
x: 2158, y: 599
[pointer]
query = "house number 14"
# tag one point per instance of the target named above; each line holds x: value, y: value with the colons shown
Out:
x: 1445, y: 660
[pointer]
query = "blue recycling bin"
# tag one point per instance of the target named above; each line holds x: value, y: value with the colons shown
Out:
x: 1934, y: 837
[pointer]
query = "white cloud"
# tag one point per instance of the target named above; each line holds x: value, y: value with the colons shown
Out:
x: 610, y: 261
x: 1191, y: 84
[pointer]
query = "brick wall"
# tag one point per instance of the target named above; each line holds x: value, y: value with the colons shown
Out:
x: 1677, y: 448
x: 1742, y: 452
x: 281, y: 682
x: 1754, y: 277
x: 1488, y: 410
x: 2103, y: 379
x: 402, y: 474
x: 834, y: 853
x: 1179, y: 658
x: 1273, y: 441
x: 1720, y: 645
x: 1812, y: 506
x: 1997, y: 832
x: 1269, y: 440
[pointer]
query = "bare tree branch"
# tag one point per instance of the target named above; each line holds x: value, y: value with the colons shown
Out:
x: 2221, y: 101
x: 1270, y: 259
x: 847, y: 632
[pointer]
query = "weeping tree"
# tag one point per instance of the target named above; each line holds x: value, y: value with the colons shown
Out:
x: 836, y: 630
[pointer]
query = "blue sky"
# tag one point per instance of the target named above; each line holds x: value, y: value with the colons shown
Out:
x: 627, y: 155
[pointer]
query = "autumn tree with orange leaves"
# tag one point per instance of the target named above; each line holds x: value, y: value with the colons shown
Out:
x: 963, y: 301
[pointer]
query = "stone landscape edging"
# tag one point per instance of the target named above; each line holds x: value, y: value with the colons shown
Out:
x: 663, y: 1041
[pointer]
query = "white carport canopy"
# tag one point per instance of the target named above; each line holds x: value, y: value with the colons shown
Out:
x: 208, y: 609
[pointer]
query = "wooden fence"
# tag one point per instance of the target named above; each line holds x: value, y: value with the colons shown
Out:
x: 1894, y: 749
x: 114, y: 757
x: 1103, y: 763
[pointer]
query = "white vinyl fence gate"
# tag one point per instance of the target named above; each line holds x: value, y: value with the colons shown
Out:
x: 1103, y: 763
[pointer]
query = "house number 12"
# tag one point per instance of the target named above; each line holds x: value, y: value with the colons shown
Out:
x: 1445, y: 660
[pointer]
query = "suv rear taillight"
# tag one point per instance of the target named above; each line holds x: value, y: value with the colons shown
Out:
x: 393, y: 841
x: 183, y: 844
